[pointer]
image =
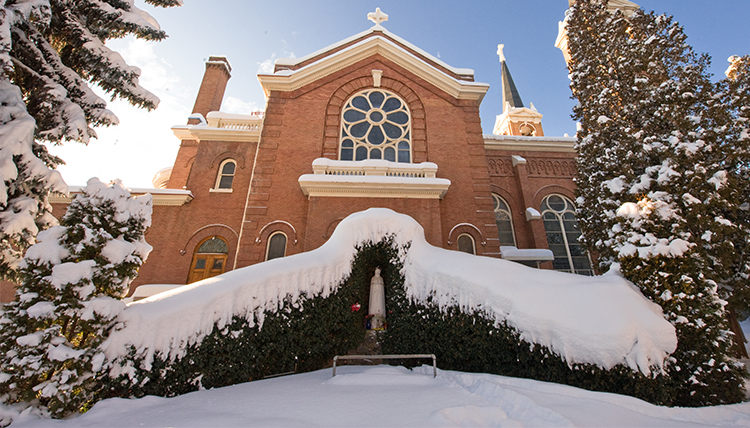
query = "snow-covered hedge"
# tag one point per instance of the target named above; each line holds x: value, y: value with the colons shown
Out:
x: 600, y: 322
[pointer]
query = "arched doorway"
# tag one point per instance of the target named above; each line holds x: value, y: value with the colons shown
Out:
x: 209, y: 259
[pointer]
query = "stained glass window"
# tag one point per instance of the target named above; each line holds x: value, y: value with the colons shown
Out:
x: 375, y: 125
x: 563, y: 233
x: 504, y: 222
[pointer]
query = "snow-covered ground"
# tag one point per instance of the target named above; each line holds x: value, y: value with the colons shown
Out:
x: 383, y: 396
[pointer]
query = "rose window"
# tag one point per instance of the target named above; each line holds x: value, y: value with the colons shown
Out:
x: 375, y: 125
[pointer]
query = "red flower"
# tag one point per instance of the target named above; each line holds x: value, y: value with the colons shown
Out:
x: 356, y: 307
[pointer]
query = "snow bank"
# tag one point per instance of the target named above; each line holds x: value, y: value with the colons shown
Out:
x: 600, y: 320
x: 381, y: 396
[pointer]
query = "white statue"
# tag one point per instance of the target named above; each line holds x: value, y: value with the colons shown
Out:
x: 377, y: 302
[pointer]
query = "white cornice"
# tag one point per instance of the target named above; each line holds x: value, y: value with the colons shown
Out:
x: 531, y: 144
x: 293, y: 62
x: 206, y: 133
x: 290, y: 80
x: 166, y: 197
x: 373, y: 187
x: 219, y: 126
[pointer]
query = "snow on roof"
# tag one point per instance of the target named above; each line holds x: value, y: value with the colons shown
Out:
x: 291, y: 62
x: 448, y: 79
x: 142, y: 190
x: 601, y: 320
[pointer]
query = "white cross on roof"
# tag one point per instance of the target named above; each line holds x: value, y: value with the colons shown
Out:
x: 377, y: 17
x: 500, y: 52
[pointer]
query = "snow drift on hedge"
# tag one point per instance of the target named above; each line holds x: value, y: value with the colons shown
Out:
x: 600, y: 320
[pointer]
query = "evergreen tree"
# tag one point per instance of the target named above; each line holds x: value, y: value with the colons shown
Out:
x: 653, y: 184
x: 732, y: 106
x: 51, y: 52
x: 68, y: 299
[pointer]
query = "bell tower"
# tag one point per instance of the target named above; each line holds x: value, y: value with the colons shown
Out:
x: 515, y: 119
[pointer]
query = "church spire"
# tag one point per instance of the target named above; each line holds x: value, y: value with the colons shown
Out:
x: 510, y: 93
x: 515, y: 119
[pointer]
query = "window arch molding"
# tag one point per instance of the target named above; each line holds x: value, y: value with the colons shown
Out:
x: 466, y: 228
x: 227, y: 233
x: 561, y: 228
x: 237, y: 157
x: 332, y: 127
x: 549, y: 189
x: 376, y: 124
x: 275, y: 226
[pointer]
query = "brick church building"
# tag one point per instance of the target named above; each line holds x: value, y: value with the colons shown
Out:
x: 371, y: 121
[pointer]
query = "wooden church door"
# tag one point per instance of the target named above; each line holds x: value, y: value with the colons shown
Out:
x: 210, y: 259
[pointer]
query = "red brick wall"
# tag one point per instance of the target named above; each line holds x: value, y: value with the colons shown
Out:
x: 213, y: 85
x: 304, y: 124
x: 176, y: 231
x: 525, y: 186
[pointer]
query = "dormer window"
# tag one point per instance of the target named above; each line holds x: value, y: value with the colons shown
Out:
x: 375, y: 125
x: 225, y: 176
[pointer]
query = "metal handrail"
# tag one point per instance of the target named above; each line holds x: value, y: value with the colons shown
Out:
x: 386, y: 357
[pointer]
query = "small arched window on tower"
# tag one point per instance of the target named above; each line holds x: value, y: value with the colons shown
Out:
x: 209, y: 259
x: 562, y: 230
x: 276, y: 246
x: 504, y: 222
x: 527, y: 129
x: 375, y: 124
x: 466, y: 243
x: 225, y: 177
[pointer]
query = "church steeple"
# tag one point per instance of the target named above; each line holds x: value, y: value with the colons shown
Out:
x: 510, y: 93
x: 515, y: 119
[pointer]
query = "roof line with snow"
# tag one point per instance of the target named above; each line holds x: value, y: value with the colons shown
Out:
x: 292, y: 74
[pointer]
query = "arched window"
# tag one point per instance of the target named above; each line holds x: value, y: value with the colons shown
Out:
x: 276, y: 246
x: 562, y: 230
x: 209, y: 259
x: 466, y: 243
x: 375, y: 124
x: 226, y: 174
x: 504, y: 222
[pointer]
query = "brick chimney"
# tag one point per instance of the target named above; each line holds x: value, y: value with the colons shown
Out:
x: 211, y: 93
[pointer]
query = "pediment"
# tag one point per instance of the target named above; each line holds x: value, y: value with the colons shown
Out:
x: 293, y: 74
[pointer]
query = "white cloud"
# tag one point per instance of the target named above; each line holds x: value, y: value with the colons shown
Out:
x: 266, y: 67
x: 237, y: 106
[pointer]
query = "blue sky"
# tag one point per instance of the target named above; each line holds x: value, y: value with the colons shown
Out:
x: 252, y: 34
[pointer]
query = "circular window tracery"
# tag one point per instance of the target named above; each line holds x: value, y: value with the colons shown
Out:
x: 375, y: 125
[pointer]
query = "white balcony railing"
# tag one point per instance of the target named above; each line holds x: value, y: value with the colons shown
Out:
x: 374, y: 167
x: 239, y: 122
x: 374, y: 178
